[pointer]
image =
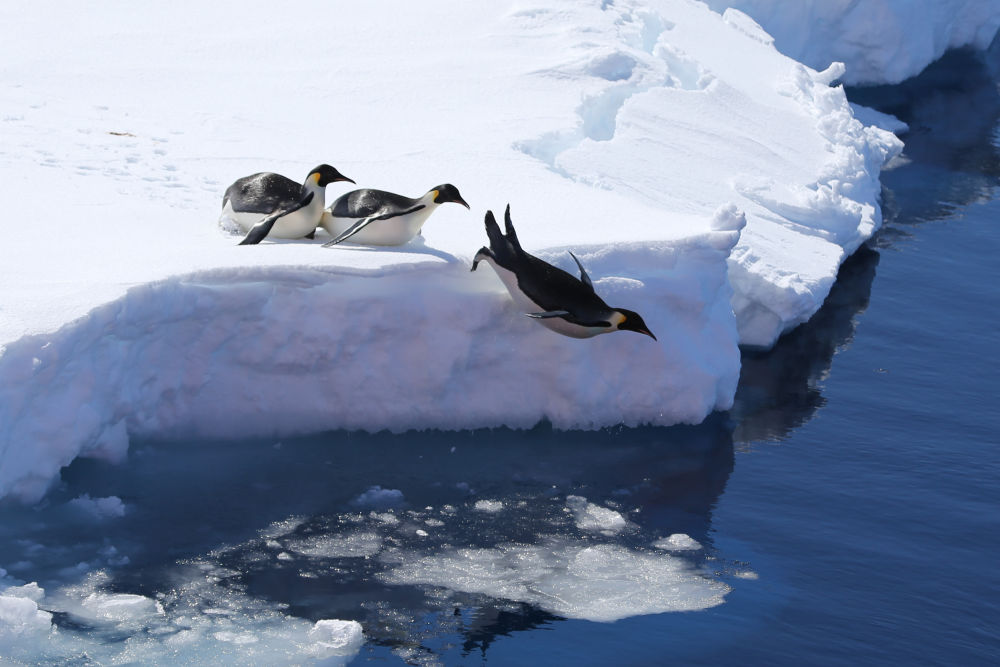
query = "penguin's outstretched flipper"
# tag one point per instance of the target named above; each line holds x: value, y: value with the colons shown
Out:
x: 584, y: 278
x: 546, y: 315
x: 351, y: 231
x: 364, y: 222
x: 260, y: 231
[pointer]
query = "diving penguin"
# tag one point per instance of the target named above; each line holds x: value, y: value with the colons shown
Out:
x: 555, y: 298
x: 376, y: 217
x: 268, y: 204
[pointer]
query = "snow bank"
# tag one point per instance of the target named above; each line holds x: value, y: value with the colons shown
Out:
x: 695, y: 171
x: 880, y: 41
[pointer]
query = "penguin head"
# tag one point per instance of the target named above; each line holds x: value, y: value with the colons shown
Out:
x: 324, y: 174
x: 629, y: 320
x: 446, y: 193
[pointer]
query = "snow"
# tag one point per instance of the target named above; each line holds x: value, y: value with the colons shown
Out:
x: 880, y: 41
x: 704, y: 180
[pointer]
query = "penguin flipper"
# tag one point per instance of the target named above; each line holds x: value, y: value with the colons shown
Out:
x: 548, y: 314
x: 584, y: 278
x: 351, y: 231
x: 260, y: 231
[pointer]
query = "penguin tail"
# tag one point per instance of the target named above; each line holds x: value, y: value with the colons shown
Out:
x: 497, y: 240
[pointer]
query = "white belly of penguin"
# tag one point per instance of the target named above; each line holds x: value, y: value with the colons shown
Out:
x: 394, y: 231
x: 524, y: 303
x: 292, y: 226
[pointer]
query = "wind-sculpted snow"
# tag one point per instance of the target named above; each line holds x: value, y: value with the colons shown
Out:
x: 705, y: 180
x: 880, y: 41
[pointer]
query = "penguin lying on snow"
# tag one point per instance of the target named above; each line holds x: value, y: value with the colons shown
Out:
x: 376, y: 217
x: 270, y: 204
x: 559, y: 301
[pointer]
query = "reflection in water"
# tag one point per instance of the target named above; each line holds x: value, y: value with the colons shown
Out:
x: 951, y: 156
x: 780, y: 389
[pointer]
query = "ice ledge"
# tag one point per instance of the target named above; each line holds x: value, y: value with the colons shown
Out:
x: 284, y: 351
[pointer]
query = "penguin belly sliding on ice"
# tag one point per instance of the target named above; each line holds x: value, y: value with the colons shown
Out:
x: 377, y: 217
x: 558, y: 300
x: 269, y: 204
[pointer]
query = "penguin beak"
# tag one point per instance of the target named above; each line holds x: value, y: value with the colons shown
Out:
x: 462, y: 202
x: 648, y: 333
x: 344, y: 178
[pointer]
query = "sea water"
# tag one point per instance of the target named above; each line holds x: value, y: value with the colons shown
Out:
x: 846, y: 511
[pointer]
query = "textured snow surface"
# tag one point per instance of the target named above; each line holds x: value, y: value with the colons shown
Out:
x: 705, y: 181
x: 880, y: 41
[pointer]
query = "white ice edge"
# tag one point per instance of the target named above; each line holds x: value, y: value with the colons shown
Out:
x: 643, y: 136
x: 881, y: 41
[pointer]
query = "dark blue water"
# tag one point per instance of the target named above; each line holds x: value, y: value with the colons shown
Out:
x: 850, y: 500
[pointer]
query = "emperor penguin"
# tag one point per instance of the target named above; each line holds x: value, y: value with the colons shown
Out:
x: 377, y: 217
x: 558, y: 300
x: 268, y: 204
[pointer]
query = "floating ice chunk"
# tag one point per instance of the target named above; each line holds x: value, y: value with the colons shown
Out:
x: 386, y: 518
x: 351, y: 545
x: 677, y: 542
x: 101, y: 508
x: 378, y: 498
x: 591, y: 517
x: 282, y: 528
x: 20, y: 615
x: 120, y: 607
x: 597, y: 583
x: 30, y: 591
x: 331, y: 638
x: 235, y: 637
x: 490, y: 506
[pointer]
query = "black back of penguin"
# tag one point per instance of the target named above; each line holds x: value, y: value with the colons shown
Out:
x: 546, y: 285
x: 264, y: 192
x: 367, y: 202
